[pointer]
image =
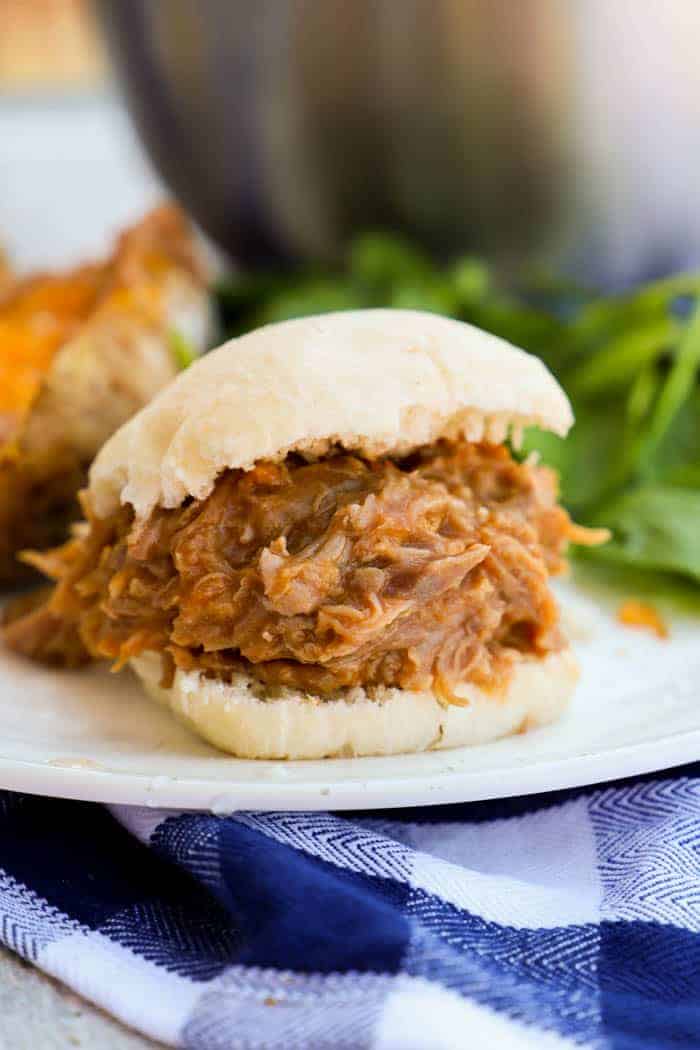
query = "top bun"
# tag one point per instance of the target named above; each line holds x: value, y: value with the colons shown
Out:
x: 373, y: 381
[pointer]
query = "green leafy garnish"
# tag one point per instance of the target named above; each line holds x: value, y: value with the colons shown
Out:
x: 629, y: 363
x: 182, y: 351
x: 654, y: 527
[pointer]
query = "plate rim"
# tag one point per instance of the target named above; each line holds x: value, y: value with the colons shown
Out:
x: 386, y: 792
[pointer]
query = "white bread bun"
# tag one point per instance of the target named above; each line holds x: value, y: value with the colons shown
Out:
x: 245, y: 720
x: 374, y: 381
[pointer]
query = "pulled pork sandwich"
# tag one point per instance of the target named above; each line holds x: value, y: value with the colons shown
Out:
x: 80, y: 352
x: 315, y: 542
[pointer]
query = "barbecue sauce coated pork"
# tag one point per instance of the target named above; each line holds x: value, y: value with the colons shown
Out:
x: 420, y: 574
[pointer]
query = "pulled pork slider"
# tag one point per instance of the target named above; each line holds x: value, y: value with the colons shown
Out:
x: 316, y: 542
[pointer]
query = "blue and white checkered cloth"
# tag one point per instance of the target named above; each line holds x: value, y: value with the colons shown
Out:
x: 555, y: 921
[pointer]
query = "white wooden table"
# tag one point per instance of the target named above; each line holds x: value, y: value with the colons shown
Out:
x: 37, y: 1013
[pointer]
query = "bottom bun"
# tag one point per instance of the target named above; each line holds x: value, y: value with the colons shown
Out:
x: 252, y: 721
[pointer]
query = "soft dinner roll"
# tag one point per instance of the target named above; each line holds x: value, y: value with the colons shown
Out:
x: 374, y: 381
x: 251, y: 722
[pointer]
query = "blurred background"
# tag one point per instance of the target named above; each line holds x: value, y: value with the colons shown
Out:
x: 50, y: 45
x: 566, y: 134
x: 71, y: 171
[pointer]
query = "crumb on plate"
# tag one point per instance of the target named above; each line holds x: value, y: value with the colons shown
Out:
x: 634, y: 613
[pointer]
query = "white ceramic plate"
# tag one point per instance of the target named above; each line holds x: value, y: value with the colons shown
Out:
x: 94, y: 736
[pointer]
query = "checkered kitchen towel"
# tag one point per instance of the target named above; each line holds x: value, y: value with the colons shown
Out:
x: 556, y: 921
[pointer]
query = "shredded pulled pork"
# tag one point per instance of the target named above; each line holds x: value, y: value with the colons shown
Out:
x: 319, y: 576
x: 38, y: 500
